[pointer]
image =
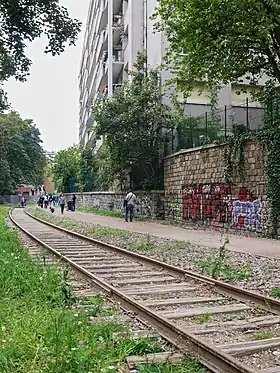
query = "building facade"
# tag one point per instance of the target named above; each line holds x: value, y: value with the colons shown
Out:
x: 114, y: 35
x: 116, y: 31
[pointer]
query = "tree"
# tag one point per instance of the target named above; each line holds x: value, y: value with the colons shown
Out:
x: 24, y: 21
x: 132, y: 121
x: 221, y: 41
x: 22, y: 156
x: 66, y: 168
x: 87, y: 170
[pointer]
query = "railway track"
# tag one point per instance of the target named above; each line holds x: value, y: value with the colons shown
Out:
x: 230, y: 330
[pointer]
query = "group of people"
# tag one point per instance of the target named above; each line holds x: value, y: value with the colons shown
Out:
x: 51, y: 201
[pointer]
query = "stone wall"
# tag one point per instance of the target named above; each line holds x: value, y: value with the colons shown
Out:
x: 149, y: 204
x: 196, y: 190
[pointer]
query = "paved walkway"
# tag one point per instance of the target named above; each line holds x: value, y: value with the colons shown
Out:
x: 259, y: 246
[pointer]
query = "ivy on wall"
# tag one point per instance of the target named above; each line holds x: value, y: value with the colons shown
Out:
x: 269, y: 140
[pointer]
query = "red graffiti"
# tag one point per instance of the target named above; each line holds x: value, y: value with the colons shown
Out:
x: 208, y: 201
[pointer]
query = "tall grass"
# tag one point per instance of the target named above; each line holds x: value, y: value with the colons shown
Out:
x: 39, y: 331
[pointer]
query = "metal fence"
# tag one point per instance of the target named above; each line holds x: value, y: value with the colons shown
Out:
x: 212, y: 125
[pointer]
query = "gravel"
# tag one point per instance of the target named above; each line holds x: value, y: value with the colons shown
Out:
x: 264, y: 271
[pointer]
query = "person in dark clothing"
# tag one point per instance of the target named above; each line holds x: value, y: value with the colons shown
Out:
x: 62, y: 202
x: 129, y: 204
x: 74, y: 202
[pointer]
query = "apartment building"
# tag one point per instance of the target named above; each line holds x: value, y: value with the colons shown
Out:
x: 114, y: 35
x: 116, y: 30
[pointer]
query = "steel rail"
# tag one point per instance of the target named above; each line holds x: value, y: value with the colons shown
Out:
x: 267, y: 303
x: 209, y: 355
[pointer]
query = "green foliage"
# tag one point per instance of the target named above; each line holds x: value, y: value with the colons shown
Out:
x: 220, y: 267
x: 275, y: 293
x: 132, y: 121
x: 214, y: 41
x: 24, y: 21
x: 269, y: 139
x: 22, y: 157
x: 39, y: 331
x: 105, y: 176
x: 204, y: 318
x: 188, y: 366
x: 263, y: 335
x: 66, y: 166
x: 145, y: 245
x: 87, y: 170
x: 234, y: 152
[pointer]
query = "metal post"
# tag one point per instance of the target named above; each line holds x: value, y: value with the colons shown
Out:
x: 247, y: 114
x: 225, y: 121
x: 110, y: 47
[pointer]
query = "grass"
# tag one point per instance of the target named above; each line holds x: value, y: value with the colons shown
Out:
x: 112, y: 213
x: 144, y: 245
x: 204, y: 318
x: 227, y: 272
x: 264, y: 335
x: 220, y: 267
x: 275, y: 293
x: 234, y: 317
x: 188, y: 366
x: 41, y: 331
x: 97, y: 232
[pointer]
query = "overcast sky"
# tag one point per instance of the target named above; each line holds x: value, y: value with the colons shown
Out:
x: 50, y: 96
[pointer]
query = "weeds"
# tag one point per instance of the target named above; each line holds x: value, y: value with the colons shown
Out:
x: 234, y: 317
x: 145, y: 245
x: 220, y: 267
x: 188, y: 366
x: 40, y: 332
x: 275, y: 293
x: 112, y: 213
x: 264, y: 335
x: 204, y: 318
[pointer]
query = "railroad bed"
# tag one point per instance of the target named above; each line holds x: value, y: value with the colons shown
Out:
x: 230, y: 330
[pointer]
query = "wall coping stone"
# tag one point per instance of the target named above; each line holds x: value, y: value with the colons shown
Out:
x: 109, y: 193
x: 202, y: 147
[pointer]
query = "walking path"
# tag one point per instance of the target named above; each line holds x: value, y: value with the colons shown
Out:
x: 258, y: 246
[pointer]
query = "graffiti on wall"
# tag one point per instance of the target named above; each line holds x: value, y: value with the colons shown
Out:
x: 207, y: 201
x: 248, y: 211
x: 216, y: 205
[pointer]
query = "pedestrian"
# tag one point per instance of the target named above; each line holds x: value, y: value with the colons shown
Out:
x: 129, y: 204
x: 46, y: 202
x: 22, y: 201
x: 62, y: 202
x: 74, y: 202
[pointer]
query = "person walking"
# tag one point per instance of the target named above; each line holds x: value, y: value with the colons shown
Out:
x: 62, y: 203
x: 129, y: 204
x: 74, y: 202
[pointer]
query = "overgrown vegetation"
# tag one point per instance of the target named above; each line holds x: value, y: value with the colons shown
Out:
x: 275, y: 293
x: 21, y: 153
x: 113, y: 213
x: 263, y: 335
x: 220, y: 267
x: 43, y: 330
x: 268, y: 138
x: 188, y: 366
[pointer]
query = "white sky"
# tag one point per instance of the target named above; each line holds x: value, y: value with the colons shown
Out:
x: 50, y: 96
